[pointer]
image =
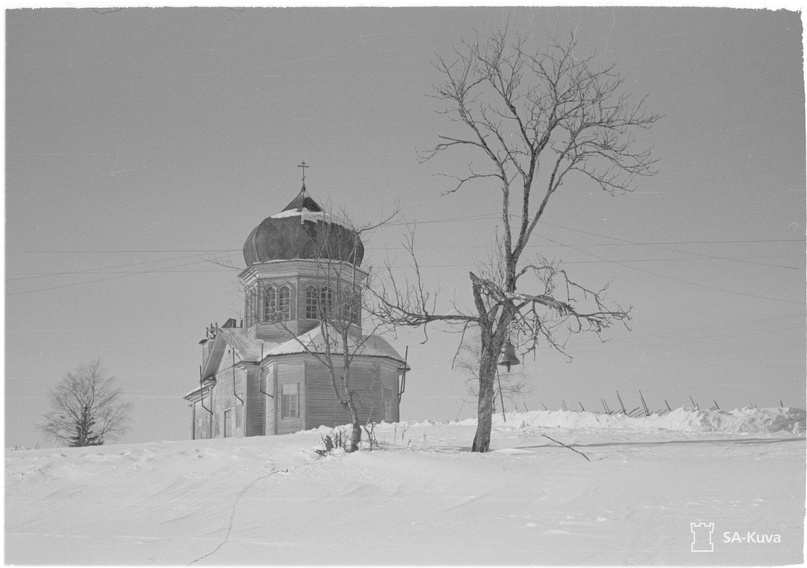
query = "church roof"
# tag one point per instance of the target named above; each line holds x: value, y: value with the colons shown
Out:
x: 303, y: 201
x: 249, y: 350
x: 301, y: 231
x: 314, y: 340
x: 246, y: 347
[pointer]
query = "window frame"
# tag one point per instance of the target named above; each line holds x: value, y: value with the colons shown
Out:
x: 311, y: 302
x: 269, y: 311
x: 290, y: 402
x: 226, y: 417
x: 326, y: 302
x: 283, y: 311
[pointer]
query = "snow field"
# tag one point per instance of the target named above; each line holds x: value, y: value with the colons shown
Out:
x: 424, y: 499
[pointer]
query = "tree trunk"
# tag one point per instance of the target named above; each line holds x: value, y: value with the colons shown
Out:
x: 355, y: 435
x: 487, y: 392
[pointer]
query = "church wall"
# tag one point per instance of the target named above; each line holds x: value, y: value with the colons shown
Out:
x: 228, y: 408
x: 367, y: 380
x: 269, y: 385
x: 375, y: 382
x: 389, y: 380
x: 323, y: 408
x: 201, y: 419
x: 255, y: 403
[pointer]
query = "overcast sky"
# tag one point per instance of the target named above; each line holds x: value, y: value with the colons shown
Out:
x: 143, y: 143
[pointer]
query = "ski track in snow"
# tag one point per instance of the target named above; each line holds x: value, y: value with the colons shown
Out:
x: 424, y: 499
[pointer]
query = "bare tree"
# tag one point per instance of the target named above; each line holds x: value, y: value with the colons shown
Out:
x: 340, y: 286
x: 87, y: 409
x: 530, y: 121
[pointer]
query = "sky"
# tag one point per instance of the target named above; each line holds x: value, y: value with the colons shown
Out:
x: 143, y: 145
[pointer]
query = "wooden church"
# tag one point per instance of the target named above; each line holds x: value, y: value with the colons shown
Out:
x: 266, y: 375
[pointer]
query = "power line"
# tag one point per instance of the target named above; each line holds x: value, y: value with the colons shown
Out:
x: 163, y: 269
x: 710, y: 333
x: 143, y: 251
x: 95, y: 270
x: 625, y: 243
x: 652, y: 245
x: 681, y: 280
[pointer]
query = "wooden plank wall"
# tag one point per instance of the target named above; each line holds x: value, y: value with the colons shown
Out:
x: 256, y: 403
x: 367, y: 379
x: 201, y: 416
x: 229, y: 381
x: 260, y: 415
x: 389, y: 377
x: 323, y: 407
x: 269, y: 385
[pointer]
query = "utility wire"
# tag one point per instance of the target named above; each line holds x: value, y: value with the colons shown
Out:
x: 163, y: 269
x: 658, y: 246
x: 625, y: 243
x: 681, y: 280
x: 113, y: 251
x: 95, y: 270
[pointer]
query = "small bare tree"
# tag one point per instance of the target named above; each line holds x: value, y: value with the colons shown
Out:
x: 340, y: 286
x: 529, y: 121
x: 87, y: 409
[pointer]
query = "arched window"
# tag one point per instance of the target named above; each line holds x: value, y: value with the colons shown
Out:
x: 311, y: 303
x: 355, y: 307
x: 349, y: 304
x: 325, y: 301
x: 269, y: 304
x: 284, y: 303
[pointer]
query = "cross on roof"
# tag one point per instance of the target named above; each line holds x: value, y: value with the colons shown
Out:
x: 304, y: 167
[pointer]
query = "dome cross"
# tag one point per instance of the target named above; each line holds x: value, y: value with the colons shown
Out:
x: 304, y: 166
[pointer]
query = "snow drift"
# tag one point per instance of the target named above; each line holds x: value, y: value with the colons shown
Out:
x: 423, y: 499
x: 745, y: 420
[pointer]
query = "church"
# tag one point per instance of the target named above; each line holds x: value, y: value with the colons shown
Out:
x: 267, y: 375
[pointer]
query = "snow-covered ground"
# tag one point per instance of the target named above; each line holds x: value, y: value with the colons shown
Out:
x: 424, y: 499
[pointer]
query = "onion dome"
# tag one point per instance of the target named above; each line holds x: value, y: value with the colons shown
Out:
x: 301, y: 231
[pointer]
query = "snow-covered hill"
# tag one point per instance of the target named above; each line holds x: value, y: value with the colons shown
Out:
x: 424, y: 499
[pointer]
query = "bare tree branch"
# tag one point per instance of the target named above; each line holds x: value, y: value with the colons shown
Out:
x: 536, y: 118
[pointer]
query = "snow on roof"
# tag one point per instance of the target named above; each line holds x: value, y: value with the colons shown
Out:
x: 365, y: 346
x: 246, y: 347
x: 305, y: 214
x: 249, y: 349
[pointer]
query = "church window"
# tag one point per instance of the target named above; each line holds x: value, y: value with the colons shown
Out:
x: 325, y: 301
x: 269, y: 304
x: 290, y: 401
x: 355, y: 307
x: 311, y: 303
x: 284, y: 304
x: 228, y: 427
